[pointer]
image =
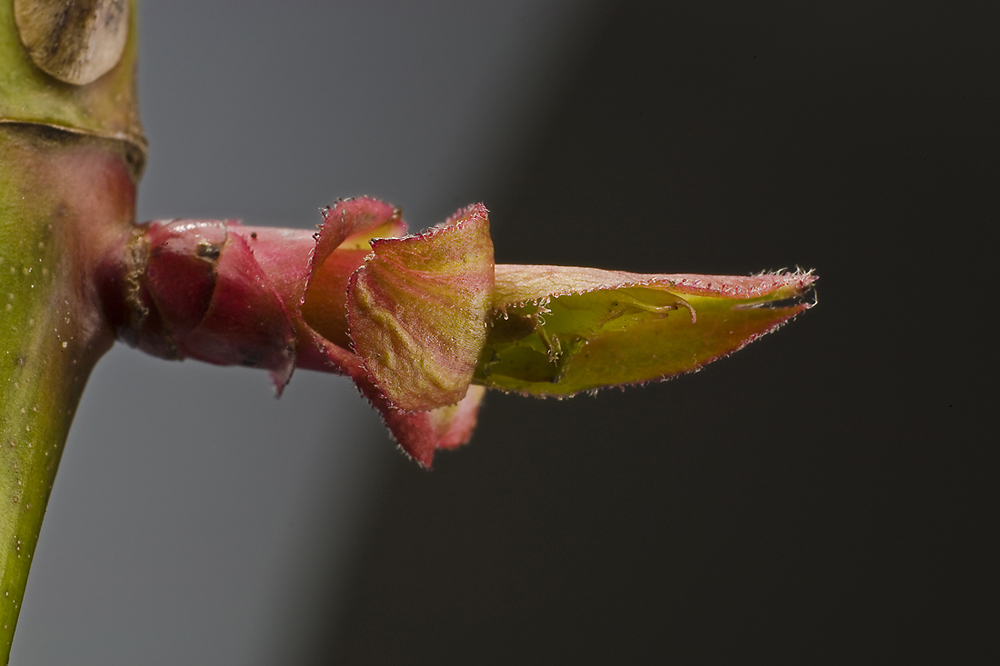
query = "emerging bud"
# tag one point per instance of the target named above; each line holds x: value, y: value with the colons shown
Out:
x: 417, y: 322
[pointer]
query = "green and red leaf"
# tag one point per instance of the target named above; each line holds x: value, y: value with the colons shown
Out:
x: 557, y: 331
x: 417, y: 311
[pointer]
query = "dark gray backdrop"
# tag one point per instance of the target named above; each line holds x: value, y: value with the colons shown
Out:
x: 819, y: 497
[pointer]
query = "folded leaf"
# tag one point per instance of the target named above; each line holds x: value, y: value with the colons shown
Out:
x: 341, y: 247
x: 417, y: 311
x: 556, y: 330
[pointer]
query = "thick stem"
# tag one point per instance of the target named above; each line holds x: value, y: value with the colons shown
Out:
x: 71, y: 149
x: 63, y: 199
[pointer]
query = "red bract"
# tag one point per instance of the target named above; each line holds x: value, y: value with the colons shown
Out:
x: 417, y: 321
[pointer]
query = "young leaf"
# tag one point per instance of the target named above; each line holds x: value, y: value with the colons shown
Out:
x: 556, y: 330
x: 418, y: 307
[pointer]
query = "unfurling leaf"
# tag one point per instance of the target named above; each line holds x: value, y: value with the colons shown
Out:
x: 557, y: 330
x: 417, y: 311
x: 423, y: 323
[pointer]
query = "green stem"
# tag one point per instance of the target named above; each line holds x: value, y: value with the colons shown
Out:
x: 70, y: 156
x: 63, y: 200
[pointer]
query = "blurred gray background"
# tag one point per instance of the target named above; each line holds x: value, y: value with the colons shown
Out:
x: 821, y: 497
x: 197, y: 520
